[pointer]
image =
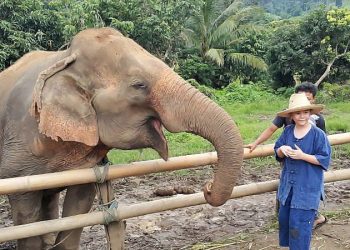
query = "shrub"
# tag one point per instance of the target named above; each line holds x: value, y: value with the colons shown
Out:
x: 334, y: 93
x: 207, y: 73
x: 210, y: 92
x: 246, y: 93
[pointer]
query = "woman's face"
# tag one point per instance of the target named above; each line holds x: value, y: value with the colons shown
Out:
x: 301, y: 118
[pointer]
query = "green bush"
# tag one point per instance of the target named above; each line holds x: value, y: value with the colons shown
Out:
x: 285, y: 91
x: 207, y: 73
x: 246, y: 93
x: 210, y: 92
x: 334, y: 93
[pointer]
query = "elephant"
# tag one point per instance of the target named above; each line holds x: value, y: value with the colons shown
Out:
x: 66, y: 109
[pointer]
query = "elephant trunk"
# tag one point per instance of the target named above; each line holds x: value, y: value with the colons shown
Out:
x: 182, y: 108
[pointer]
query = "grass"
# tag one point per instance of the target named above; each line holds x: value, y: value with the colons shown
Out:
x: 238, y: 239
x: 338, y: 117
x: 251, y: 117
x: 343, y: 214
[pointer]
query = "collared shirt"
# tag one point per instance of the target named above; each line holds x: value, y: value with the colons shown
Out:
x: 315, y: 119
x: 304, y: 178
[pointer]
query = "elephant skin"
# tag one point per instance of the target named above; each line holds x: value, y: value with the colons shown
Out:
x: 65, y: 110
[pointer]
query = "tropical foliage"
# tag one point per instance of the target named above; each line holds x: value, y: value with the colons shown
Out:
x: 291, y: 8
x: 309, y: 46
x: 212, y: 42
x: 217, y: 29
x: 24, y: 26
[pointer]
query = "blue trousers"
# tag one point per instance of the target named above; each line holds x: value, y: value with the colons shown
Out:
x: 295, y: 226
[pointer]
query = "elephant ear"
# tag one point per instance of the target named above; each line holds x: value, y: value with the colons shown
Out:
x: 63, y: 109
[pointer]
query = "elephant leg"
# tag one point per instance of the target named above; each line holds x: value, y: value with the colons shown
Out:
x: 26, y: 208
x: 78, y: 200
x: 50, y: 211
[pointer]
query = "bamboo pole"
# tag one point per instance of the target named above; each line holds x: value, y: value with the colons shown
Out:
x: 125, y: 212
x: 83, y: 176
x: 115, y: 231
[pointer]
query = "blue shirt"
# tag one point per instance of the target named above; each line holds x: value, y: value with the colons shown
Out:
x: 304, y: 178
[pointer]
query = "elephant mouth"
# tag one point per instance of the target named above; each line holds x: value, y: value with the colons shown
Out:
x: 159, y: 143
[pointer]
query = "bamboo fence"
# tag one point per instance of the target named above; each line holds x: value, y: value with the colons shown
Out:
x: 73, y: 177
x: 126, y: 212
x: 83, y: 176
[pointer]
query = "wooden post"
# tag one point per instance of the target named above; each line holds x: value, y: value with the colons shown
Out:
x: 115, y: 231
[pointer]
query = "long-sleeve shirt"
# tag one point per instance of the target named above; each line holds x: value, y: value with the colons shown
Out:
x: 306, y: 179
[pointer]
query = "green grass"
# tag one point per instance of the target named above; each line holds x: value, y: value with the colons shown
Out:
x: 251, y: 117
x: 337, y: 215
x: 237, y: 239
x: 338, y: 117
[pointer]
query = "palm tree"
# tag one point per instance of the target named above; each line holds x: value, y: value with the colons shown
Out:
x: 217, y: 28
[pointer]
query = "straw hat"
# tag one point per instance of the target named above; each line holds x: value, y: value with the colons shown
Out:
x: 299, y: 102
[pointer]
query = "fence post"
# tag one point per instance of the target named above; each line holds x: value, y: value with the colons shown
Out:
x: 115, y: 231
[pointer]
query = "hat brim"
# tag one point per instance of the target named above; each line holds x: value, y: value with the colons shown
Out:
x: 314, y: 109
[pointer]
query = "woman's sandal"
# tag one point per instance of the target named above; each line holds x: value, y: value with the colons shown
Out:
x: 320, y: 224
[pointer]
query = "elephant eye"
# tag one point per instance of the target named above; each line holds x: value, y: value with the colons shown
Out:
x: 139, y: 85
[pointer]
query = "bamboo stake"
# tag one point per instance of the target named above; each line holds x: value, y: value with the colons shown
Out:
x: 125, y: 212
x: 115, y: 231
x: 83, y: 176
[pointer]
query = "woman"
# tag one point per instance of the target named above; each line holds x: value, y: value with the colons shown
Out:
x: 305, y: 152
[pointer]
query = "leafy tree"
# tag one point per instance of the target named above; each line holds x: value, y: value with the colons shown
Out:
x: 218, y: 28
x: 25, y: 25
x: 32, y: 24
x: 314, y: 46
x: 285, y: 53
x: 292, y: 8
x: 155, y: 24
x: 191, y: 65
x: 337, y: 46
x: 74, y: 16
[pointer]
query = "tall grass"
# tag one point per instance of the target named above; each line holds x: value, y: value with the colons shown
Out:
x: 253, y: 111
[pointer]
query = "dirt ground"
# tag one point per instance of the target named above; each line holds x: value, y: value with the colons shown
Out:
x: 245, y: 223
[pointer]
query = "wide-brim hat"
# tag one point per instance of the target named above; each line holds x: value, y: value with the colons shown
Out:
x: 299, y: 102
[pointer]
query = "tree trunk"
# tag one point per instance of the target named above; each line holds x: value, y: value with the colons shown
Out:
x: 325, y: 74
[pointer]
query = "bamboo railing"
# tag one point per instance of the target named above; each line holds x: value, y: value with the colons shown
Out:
x: 83, y: 176
x: 73, y: 177
x: 126, y: 212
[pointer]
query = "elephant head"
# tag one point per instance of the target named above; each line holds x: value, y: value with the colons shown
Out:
x: 106, y: 89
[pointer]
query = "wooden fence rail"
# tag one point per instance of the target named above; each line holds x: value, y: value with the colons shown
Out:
x: 126, y: 212
x: 31, y: 183
x: 82, y: 176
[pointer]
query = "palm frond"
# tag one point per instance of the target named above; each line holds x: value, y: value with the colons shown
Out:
x: 228, y: 11
x: 226, y: 36
x: 248, y: 14
x: 222, y: 32
x: 190, y: 38
x: 242, y: 32
x: 216, y: 55
x: 245, y: 59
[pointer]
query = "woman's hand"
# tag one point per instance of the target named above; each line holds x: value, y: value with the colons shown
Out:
x: 285, y: 150
x: 296, y: 154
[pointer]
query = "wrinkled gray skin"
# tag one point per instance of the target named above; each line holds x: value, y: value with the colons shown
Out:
x: 65, y: 110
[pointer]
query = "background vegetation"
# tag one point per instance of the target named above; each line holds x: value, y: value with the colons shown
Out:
x: 247, y: 55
